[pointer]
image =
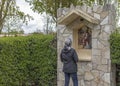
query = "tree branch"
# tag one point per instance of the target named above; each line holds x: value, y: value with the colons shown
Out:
x: 2, y: 7
x: 7, y: 7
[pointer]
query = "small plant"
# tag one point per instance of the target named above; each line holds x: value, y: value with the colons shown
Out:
x: 115, y: 47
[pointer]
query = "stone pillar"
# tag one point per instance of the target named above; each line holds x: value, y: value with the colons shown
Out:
x: 96, y: 72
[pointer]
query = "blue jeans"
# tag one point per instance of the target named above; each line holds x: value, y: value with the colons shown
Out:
x: 74, y: 79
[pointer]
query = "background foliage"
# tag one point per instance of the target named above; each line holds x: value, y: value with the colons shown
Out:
x: 115, y: 47
x: 9, y: 10
x: 51, y: 6
x: 28, y: 61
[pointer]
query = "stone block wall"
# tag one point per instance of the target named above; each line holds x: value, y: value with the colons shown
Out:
x: 96, y: 72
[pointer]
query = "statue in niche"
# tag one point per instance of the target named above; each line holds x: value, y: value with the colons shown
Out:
x: 84, y: 38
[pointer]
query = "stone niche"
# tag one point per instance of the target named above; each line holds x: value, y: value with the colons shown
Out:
x: 81, y: 25
x: 90, y: 29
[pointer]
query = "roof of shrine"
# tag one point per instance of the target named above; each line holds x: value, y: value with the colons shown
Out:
x: 75, y: 14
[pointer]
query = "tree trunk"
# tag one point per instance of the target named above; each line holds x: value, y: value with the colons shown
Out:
x: 1, y: 27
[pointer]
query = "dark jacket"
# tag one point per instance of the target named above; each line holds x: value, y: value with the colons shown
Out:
x: 69, y: 59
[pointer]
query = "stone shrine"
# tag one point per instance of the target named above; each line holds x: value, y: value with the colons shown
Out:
x: 90, y: 29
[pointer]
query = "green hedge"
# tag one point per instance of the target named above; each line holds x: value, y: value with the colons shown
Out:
x: 27, y: 61
x: 115, y: 47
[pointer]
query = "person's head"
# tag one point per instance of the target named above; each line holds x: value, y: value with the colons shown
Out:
x: 68, y: 42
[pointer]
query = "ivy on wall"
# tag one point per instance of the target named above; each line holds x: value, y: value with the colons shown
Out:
x: 115, y: 47
x: 27, y: 61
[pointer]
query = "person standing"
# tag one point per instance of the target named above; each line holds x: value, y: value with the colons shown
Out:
x: 69, y: 58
